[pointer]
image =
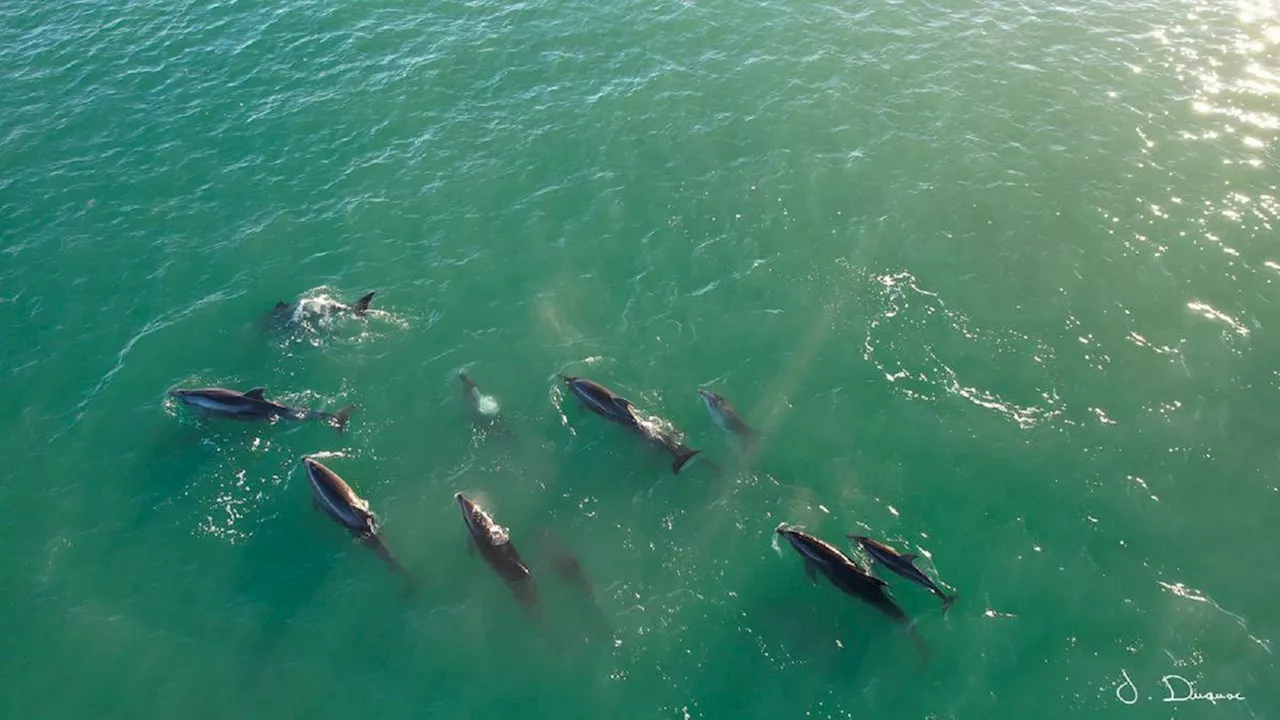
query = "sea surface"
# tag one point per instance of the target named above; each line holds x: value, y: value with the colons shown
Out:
x: 998, y: 283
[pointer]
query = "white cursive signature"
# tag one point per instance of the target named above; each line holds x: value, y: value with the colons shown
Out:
x: 1189, y: 691
x: 1180, y: 690
x: 1132, y: 690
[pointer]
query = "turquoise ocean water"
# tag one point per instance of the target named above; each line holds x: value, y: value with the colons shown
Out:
x: 996, y: 280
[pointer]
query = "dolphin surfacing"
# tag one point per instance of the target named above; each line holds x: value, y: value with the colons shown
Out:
x: 723, y: 414
x: 608, y: 404
x: 335, y: 498
x: 847, y: 576
x: 485, y: 410
x: 284, y: 311
x: 253, y: 405
x: 903, y: 564
x: 495, y: 546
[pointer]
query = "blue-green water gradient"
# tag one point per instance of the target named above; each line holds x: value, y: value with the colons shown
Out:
x: 996, y: 281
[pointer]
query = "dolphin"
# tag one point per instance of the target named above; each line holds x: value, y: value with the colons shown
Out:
x: 604, y: 401
x: 336, y: 499
x: 840, y: 571
x: 484, y: 408
x: 903, y: 564
x: 495, y: 546
x: 727, y: 418
x: 251, y: 405
x: 284, y: 310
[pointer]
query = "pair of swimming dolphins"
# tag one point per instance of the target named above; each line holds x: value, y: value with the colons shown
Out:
x: 850, y: 578
x: 251, y: 404
x: 332, y: 495
x: 609, y: 404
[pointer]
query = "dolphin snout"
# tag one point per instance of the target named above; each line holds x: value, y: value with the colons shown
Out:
x: 704, y: 393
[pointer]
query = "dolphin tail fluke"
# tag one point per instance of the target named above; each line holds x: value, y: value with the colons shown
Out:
x: 683, y: 457
x: 374, y: 543
x: 362, y: 305
x: 947, y: 600
x: 341, y: 417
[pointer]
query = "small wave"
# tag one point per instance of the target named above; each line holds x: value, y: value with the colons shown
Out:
x: 153, y: 326
x: 912, y: 326
x: 1208, y: 311
x: 1190, y: 593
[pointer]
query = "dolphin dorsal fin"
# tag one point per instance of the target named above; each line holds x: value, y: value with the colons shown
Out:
x: 256, y: 393
x: 909, y: 557
x: 623, y: 404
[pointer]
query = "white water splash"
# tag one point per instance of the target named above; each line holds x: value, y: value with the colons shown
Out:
x: 1191, y: 593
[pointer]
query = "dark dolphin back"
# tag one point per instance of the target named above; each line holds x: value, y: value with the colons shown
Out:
x: 467, y: 385
x: 222, y: 395
x: 682, y: 456
x: 374, y: 542
x: 277, y: 316
x: 749, y: 435
x: 881, y: 601
x: 604, y: 402
x: 869, y: 590
x: 356, y: 522
x: 904, y: 565
x: 506, y: 561
x: 470, y: 393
